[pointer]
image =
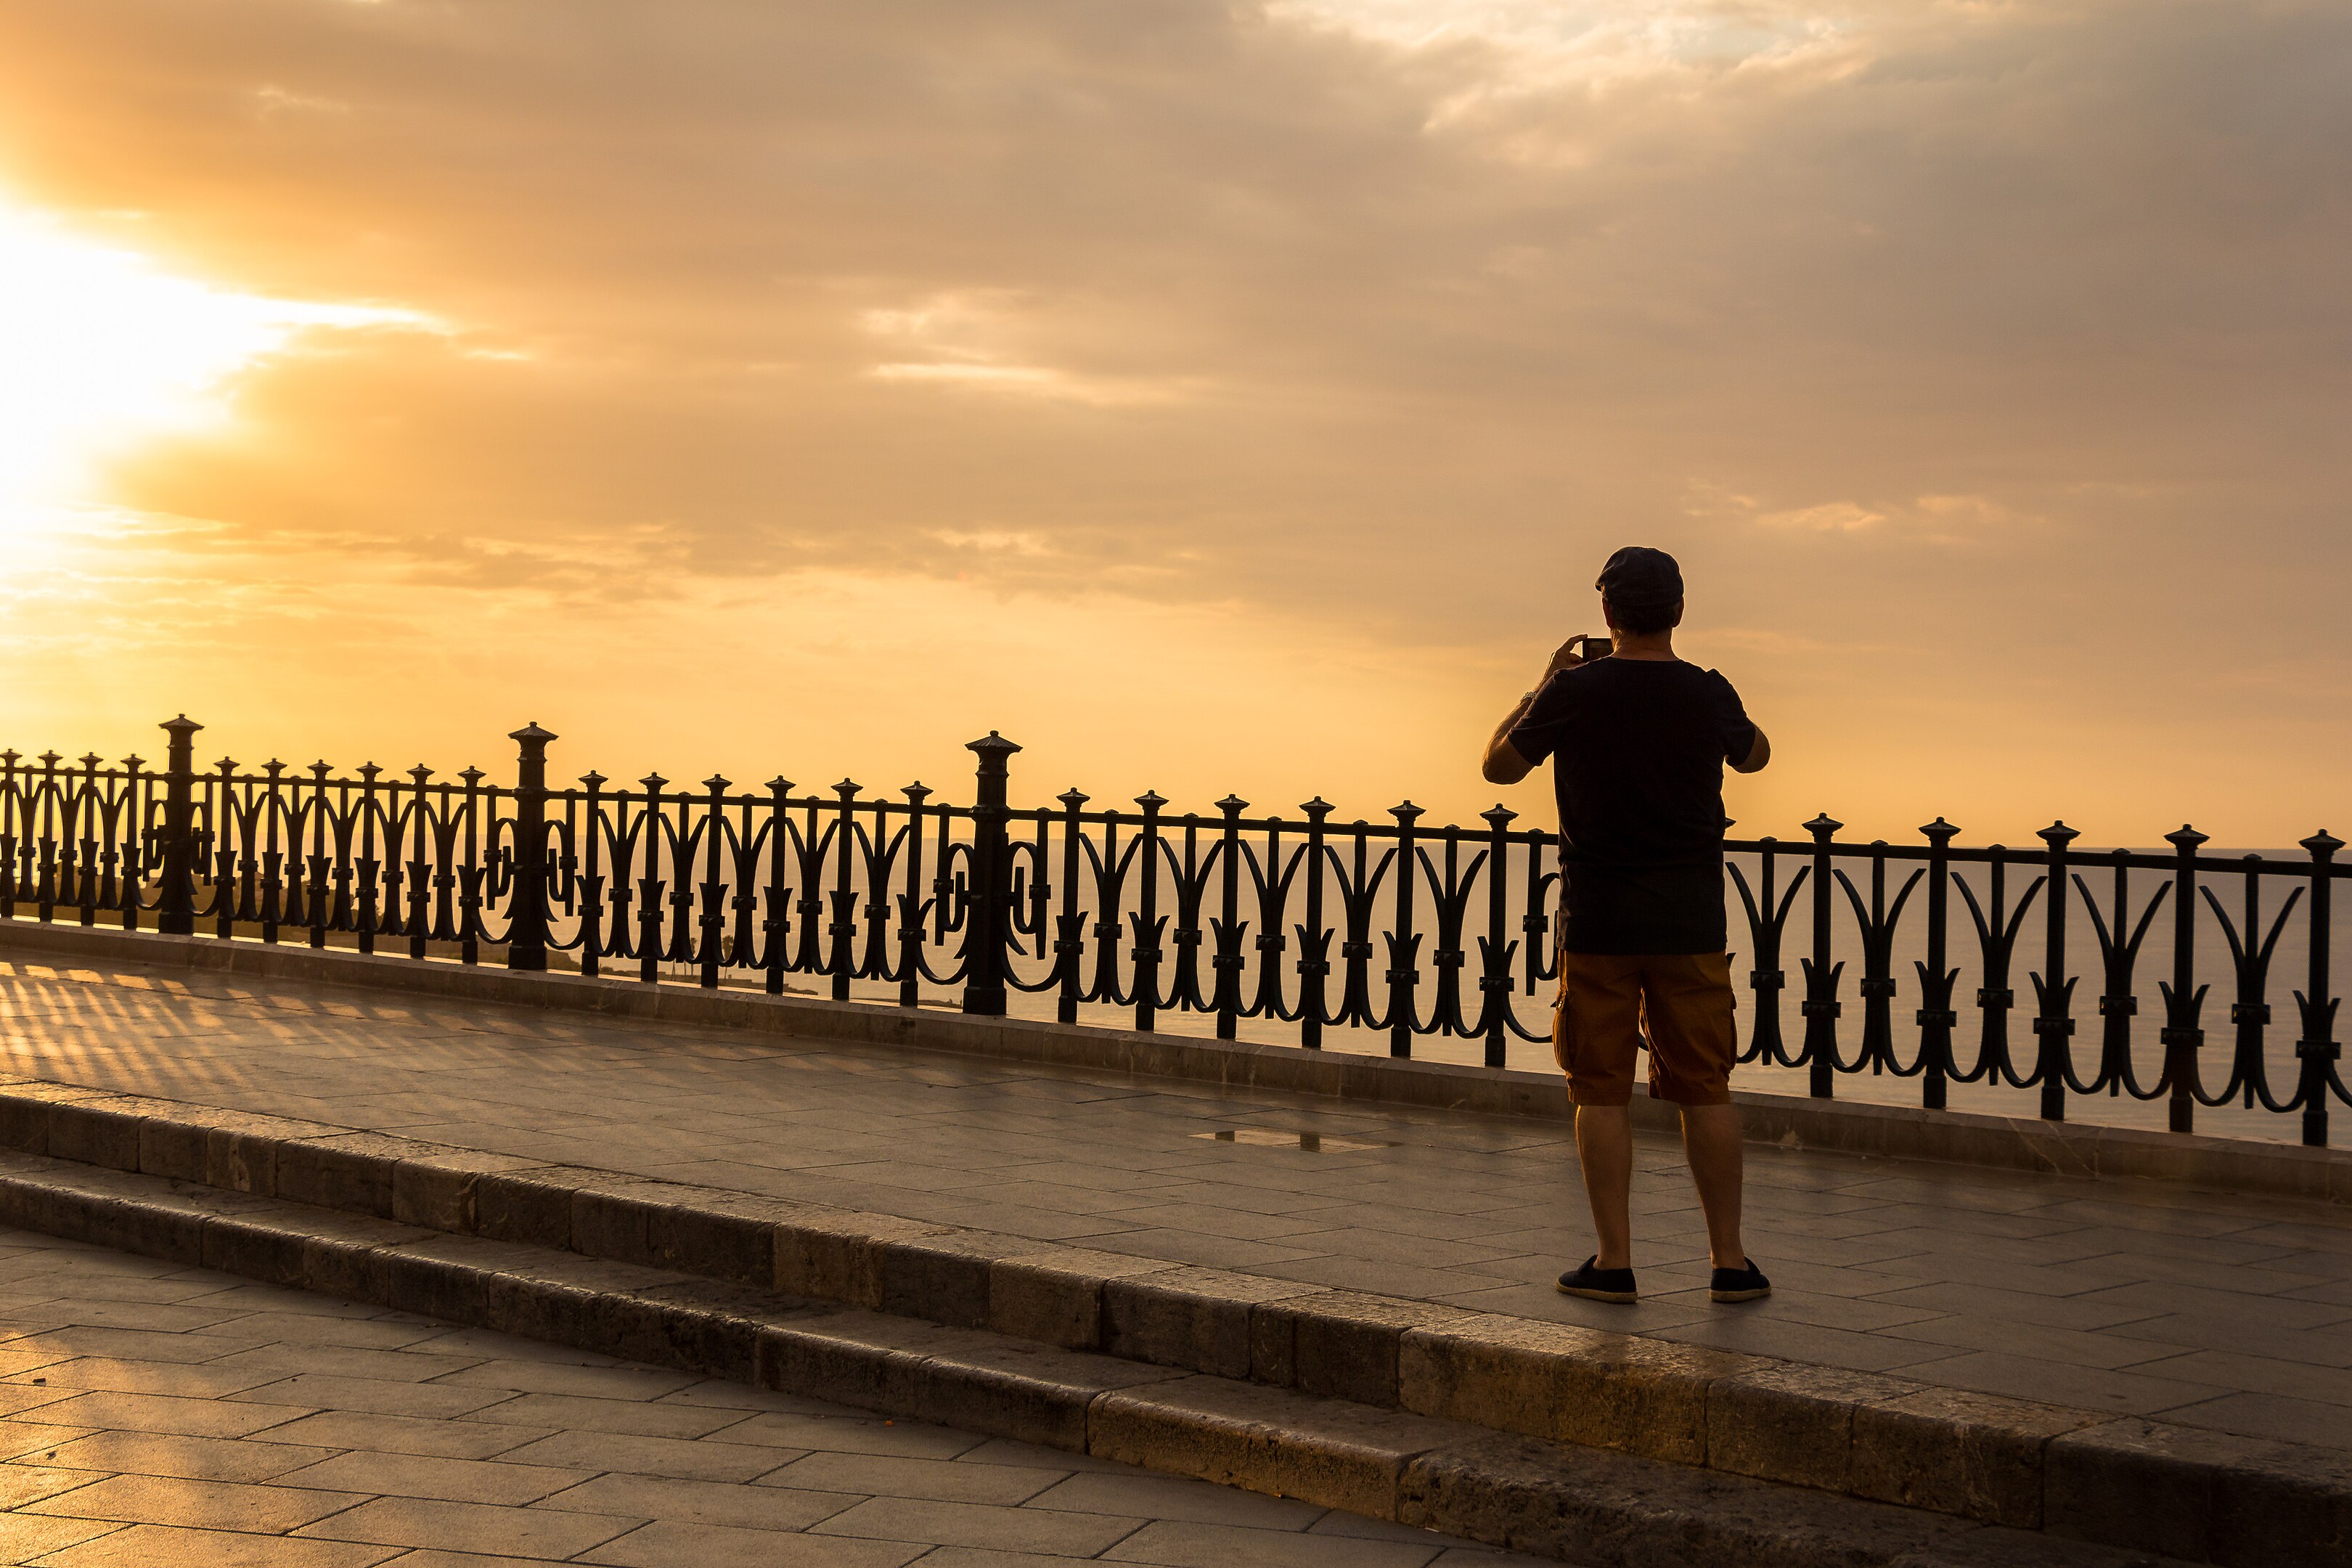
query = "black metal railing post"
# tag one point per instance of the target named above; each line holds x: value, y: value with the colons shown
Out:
x: 1070, y: 925
x: 910, y: 905
x: 420, y: 868
x: 710, y: 928
x: 9, y: 836
x: 2053, y: 1026
x: 1494, y: 953
x: 370, y: 867
x: 2184, y: 1000
x: 1403, y: 973
x: 46, y: 887
x: 175, y: 914
x: 1229, y: 928
x: 1821, y: 1007
x: 315, y: 874
x: 1314, y: 939
x: 1937, y: 1017
x: 591, y: 877
x: 2318, y: 1048
x: 992, y: 879
x: 650, y: 886
x: 1146, y: 923
x: 86, y: 882
x: 135, y: 790
x: 527, y: 908
x: 842, y: 900
x: 776, y: 925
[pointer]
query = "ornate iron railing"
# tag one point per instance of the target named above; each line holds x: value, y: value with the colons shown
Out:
x: 1397, y: 927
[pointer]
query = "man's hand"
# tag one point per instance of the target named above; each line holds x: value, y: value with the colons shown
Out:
x: 1564, y: 657
x: 1502, y: 763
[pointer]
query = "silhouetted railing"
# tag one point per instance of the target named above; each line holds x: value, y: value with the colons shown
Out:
x: 1394, y: 927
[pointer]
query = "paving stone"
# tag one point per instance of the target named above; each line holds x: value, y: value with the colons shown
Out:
x: 465, y: 1526
x: 1192, y: 1546
x: 1035, y: 1456
x: 2089, y: 1388
x: 2269, y: 1415
x: 23, y: 1484
x: 591, y: 1379
x: 17, y: 1398
x: 163, y: 1413
x: 703, y: 1502
x: 22, y: 1439
x: 28, y: 1537
x: 150, y: 1545
x: 388, y: 1332
x: 983, y: 1557
x: 191, y: 1458
x: 854, y: 1435
x: 133, y: 1343
x: 209, y: 1505
x: 165, y: 1317
x: 974, y: 1524
x: 432, y: 1476
x: 289, y: 1360
x: 664, y: 1544
x: 452, y: 1440
x: 689, y: 1460
x: 317, y: 1391
x: 940, y: 1480
x: 634, y: 1418
x: 1123, y: 1491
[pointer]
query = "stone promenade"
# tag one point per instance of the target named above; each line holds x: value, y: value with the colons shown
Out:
x: 2128, y: 1297
x: 153, y: 1415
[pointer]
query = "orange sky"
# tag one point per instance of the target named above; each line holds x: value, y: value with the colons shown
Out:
x: 1208, y: 396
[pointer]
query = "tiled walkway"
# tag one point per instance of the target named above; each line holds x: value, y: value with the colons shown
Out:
x: 154, y: 1415
x: 2130, y: 1297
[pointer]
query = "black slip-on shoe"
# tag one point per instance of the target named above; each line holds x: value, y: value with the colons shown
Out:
x: 1599, y: 1284
x: 1744, y: 1283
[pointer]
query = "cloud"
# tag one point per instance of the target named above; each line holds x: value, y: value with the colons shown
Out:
x: 1380, y: 314
x: 1830, y: 517
x: 1934, y: 518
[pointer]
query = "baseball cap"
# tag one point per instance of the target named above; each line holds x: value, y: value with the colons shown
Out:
x: 1639, y: 575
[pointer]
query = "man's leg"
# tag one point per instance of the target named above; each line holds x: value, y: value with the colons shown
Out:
x: 1711, y: 1144
x: 1605, y: 1148
x: 1689, y: 1003
x: 1593, y: 1038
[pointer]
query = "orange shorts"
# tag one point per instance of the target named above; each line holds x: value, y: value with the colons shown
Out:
x: 1679, y: 1003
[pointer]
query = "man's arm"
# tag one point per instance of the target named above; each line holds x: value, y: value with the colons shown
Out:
x: 1503, y: 764
x: 1758, y: 755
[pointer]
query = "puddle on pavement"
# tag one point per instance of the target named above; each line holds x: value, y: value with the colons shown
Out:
x: 1274, y: 1138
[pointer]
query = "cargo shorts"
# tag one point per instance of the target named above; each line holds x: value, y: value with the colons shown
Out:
x: 1679, y: 1004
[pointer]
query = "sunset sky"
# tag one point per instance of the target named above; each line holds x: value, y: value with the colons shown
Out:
x: 1207, y: 395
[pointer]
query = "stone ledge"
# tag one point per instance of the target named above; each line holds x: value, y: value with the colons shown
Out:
x: 2025, y: 1143
x: 1576, y: 1504
x: 1994, y: 1461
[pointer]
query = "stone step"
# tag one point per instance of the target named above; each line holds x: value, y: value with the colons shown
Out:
x: 1573, y: 1503
x: 2191, y: 1493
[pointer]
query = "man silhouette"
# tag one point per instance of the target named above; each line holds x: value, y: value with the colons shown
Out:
x: 1638, y: 739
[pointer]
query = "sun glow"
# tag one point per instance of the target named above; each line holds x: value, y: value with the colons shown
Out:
x: 101, y: 349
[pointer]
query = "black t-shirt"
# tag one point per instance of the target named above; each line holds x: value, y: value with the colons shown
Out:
x: 1637, y: 749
